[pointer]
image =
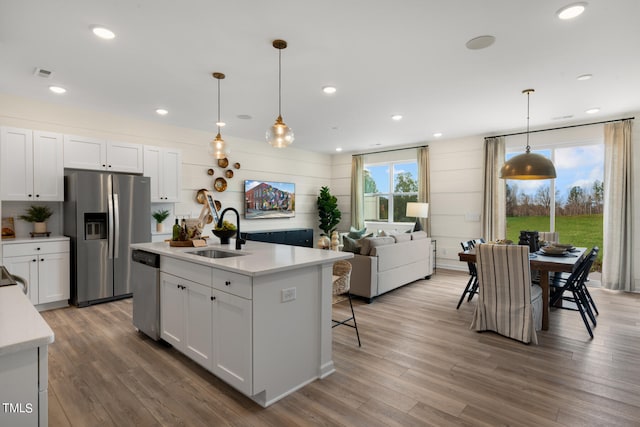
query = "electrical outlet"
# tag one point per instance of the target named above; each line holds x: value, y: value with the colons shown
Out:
x: 288, y: 294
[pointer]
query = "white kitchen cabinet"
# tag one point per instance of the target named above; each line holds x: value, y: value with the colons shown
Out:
x: 81, y: 152
x: 164, y: 167
x: 232, y: 349
x: 31, y: 165
x: 185, y: 320
x: 45, y: 266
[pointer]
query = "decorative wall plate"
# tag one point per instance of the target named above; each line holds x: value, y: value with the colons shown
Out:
x: 228, y: 173
x: 210, y: 171
x: 220, y: 184
x: 223, y: 163
x: 200, y: 196
x: 236, y: 165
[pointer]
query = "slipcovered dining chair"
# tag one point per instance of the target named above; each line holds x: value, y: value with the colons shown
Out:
x: 507, y: 301
x: 341, y: 286
x: 549, y: 236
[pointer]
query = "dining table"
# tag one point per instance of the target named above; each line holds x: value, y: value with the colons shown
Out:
x: 545, y: 264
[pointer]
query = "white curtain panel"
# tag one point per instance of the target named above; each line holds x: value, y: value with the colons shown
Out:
x: 494, y: 204
x: 617, y: 266
x: 357, y: 191
x: 424, y: 186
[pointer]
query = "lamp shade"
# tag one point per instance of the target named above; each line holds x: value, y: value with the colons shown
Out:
x: 528, y: 166
x: 417, y: 209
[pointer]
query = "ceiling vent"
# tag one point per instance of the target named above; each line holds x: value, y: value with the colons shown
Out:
x: 41, y: 72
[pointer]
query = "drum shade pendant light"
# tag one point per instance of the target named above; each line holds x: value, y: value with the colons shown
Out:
x: 218, y: 145
x: 279, y: 135
x: 528, y: 165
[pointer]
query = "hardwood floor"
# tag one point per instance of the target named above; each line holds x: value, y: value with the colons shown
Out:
x: 419, y: 365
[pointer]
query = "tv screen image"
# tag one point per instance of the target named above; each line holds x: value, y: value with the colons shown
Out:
x: 269, y: 199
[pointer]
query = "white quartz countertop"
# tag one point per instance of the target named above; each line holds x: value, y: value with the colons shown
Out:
x: 21, y: 326
x: 18, y: 240
x: 256, y: 259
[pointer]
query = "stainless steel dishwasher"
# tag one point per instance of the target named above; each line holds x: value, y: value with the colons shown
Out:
x: 145, y: 283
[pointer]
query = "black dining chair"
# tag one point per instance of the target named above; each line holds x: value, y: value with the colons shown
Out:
x: 560, y: 279
x: 574, y: 290
x: 472, y: 285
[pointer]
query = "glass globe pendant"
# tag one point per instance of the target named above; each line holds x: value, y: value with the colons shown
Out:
x: 218, y: 146
x: 279, y: 135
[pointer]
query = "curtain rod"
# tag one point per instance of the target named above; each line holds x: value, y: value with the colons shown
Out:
x: 388, y: 151
x: 561, y: 127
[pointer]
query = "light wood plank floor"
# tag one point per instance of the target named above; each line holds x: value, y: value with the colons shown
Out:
x: 419, y: 365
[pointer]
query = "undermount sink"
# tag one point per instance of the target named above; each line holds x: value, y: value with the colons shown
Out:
x: 213, y: 253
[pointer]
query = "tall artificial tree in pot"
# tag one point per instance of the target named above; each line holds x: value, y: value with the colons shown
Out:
x: 328, y: 211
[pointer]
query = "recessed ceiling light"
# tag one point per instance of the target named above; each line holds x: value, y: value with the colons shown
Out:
x: 592, y: 110
x: 102, y: 32
x: 437, y: 134
x: 571, y: 11
x: 244, y: 117
x: 57, y: 89
x: 396, y: 117
x: 481, y: 42
x: 338, y: 149
x: 220, y: 124
x: 329, y: 89
x: 584, y: 76
x: 162, y: 111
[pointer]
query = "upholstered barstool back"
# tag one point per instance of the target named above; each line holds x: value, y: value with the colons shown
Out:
x: 507, y: 302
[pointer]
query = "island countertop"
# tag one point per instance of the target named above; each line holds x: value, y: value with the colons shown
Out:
x: 21, y: 326
x: 255, y: 259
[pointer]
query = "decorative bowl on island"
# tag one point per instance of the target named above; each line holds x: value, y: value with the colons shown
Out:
x: 224, y: 235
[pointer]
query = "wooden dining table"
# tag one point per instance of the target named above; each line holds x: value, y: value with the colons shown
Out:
x: 545, y: 265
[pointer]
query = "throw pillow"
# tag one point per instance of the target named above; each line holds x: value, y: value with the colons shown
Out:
x: 417, y: 235
x: 401, y: 237
x: 355, y: 233
x: 350, y: 245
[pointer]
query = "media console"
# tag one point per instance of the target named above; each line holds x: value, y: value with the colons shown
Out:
x: 291, y: 236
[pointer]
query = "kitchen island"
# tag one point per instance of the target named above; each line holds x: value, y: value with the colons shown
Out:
x: 24, y: 341
x: 259, y: 318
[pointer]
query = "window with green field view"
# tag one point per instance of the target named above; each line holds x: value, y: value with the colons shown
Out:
x: 387, y: 189
x: 571, y: 204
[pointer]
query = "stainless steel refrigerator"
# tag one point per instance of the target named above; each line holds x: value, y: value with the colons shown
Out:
x: 103, y: 214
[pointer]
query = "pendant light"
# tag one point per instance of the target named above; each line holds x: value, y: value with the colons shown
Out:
x: 218, y: 146
x: 528, y: 165
x: 279, y: 135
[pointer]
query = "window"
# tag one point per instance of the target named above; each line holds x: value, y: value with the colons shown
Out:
x: 572, y: 204
x: 387, y: 189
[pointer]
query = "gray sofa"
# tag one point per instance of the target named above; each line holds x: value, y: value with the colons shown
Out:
x: 390, y: 262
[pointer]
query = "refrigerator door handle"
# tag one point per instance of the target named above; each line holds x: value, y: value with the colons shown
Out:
x: 116, y: 220
x: 110, y: 228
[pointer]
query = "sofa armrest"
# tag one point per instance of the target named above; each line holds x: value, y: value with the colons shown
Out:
x: 364, y: 276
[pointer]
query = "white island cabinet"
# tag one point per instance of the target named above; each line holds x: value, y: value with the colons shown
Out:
x: 260, y: 321
x: 24, y: 341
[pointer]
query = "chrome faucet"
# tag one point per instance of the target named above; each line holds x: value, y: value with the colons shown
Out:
x: 239, y: 240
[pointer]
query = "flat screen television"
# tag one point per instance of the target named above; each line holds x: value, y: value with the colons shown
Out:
x: 269, y: 199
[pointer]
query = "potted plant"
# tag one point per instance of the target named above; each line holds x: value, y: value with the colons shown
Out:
x: 160, y: 216
x: 328, y: 211
x: 38, y: 215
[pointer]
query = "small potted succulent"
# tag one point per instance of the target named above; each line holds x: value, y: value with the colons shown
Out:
x: 160, y: 216
x: 38, y: 215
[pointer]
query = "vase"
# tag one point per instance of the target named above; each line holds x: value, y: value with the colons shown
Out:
x: 39, y: 227
x: 159, y: 227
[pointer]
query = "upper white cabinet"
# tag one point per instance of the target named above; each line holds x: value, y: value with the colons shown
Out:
x: 31, y: 165
x: 81, y: 152
x: 164, y: 167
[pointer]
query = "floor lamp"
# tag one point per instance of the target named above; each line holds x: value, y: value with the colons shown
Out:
x: 417, y: 210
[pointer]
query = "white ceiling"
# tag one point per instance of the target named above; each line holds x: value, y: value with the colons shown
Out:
x: 384, y: 57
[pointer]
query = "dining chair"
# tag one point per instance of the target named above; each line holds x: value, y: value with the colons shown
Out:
x: 574, y: 290
x: 341, y: 286
x: 507, y: 301
x: 549, y: 236
x: 472, y: 285
x: 559, y: 279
